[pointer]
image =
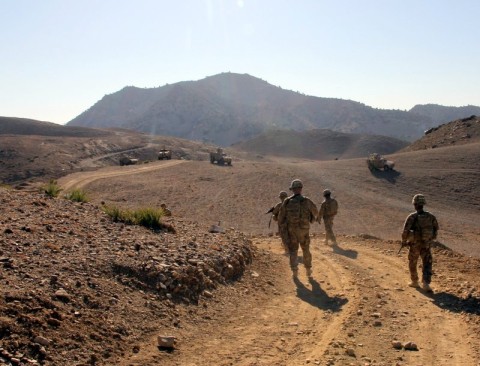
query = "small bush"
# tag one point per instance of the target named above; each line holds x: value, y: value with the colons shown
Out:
x: 52, y: 189
x: 147, y: 217
x: 115, y: 213
x: 77, y: 195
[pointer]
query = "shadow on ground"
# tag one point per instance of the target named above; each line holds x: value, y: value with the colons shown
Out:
x: 453, y: 303
x: 318, y: 297
x: 349, y: 253
x: 389, y: 175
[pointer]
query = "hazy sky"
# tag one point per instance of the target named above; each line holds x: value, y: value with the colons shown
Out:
x: 59, y: 57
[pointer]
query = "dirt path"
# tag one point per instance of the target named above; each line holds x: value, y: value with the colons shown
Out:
x: 352, y: 310
x: 79, y: 180
x: 92, y: 162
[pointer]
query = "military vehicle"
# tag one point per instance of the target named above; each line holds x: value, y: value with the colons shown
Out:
x: 164, y: 154
x: 125, y: 160
x: 378, y: 162
x: 220, y: 157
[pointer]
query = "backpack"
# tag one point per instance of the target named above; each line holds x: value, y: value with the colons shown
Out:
x: 297, y: 211
x: 330, y: 207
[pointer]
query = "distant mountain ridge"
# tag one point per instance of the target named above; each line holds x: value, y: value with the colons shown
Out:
x: 228, y: 108
x: 442, y: 114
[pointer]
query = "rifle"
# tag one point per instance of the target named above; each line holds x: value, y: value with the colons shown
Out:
x: 269, y: 211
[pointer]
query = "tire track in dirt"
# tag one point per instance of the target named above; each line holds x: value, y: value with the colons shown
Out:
x: 290, y: 328
x: 405, y: 314
x: 80, y: 180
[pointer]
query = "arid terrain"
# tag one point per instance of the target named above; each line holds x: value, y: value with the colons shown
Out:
x: 79, y: 289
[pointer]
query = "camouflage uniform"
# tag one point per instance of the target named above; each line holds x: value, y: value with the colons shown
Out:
x: 328, y: 210
x: 282, y: 229
x: 296, y: 213
x: 424, y: 226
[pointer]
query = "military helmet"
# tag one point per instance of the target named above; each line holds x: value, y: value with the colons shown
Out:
x: 296, y: 183
x: 283, y: 194
x: 326, y: 192
x: 419, y: 199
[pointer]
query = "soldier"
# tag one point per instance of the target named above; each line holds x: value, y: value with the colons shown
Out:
x: 282, y: 230
x: 328, y: 210
x: 424, y: 227
x: 296, y: 214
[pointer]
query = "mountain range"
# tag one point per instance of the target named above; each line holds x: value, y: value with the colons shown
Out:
x: 228, y: 108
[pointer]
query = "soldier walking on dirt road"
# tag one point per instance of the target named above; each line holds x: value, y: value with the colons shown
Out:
x: 282, y: 229
x: 296, y: 214
x: 328, y: 210
x: 419, y: 231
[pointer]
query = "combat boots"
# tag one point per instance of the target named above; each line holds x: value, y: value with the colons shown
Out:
x: 294, y: 272
x: 414, y: 284
x: 309, y: 272
x: 426, y: 287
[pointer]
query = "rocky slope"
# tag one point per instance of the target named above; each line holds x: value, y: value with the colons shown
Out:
x: 79, y: 289
x: 33, y: 150
x: 458, y: 132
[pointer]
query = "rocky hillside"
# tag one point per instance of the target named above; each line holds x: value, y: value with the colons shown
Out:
x: 319, y: 144
x: 228, y: 108
x: 24, y: 126
x: 78, y: 288
x: 459, y: 132
x: 34, y: 150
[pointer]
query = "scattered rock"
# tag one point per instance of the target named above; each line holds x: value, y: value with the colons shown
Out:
x: 410, y: 346
x: 350, y: 352
x: 41, y: 340
x: 216, y: 229
x: 397, y: 344
x: 166, y: 341
x: 62, y: 295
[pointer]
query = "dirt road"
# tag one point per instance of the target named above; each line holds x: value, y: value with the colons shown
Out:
x: 352, y: 310
x: 80, y: 180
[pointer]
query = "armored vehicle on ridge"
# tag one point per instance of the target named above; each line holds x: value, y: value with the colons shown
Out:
x: 378, y: 162
x: 125, y: 160
x: 164, y: 154
x: 220, y: 157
